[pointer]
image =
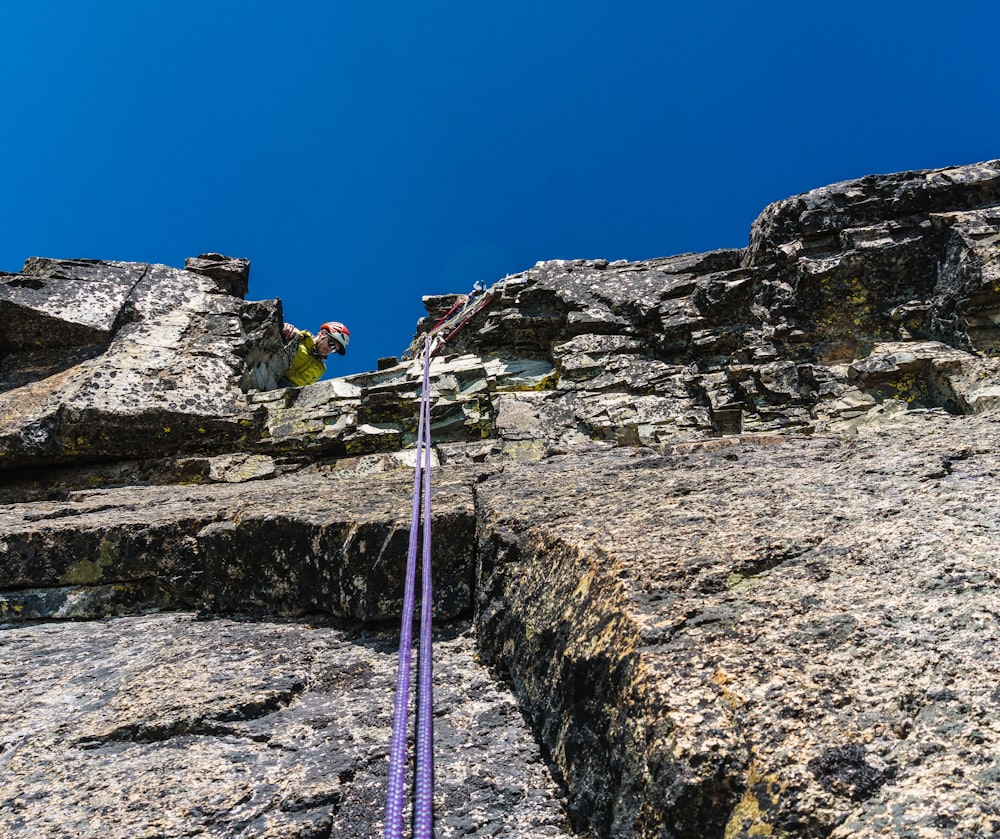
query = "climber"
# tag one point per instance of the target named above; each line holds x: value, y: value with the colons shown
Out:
x: 306, y: 354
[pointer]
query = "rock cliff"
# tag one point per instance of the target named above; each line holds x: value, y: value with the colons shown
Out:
x: 715, y: 542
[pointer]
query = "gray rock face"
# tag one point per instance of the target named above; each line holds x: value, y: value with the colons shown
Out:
x: 120, y: 360
x: 786, y: 636
x: 232, y: 275
x: 171, y: 726
x: 721, y: 527
x: 273, y: 546
x: 679, y: 348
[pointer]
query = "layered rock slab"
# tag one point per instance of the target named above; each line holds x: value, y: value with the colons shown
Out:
x: 317, y: 540
x: 106, y: 360
x: 167, y: 726
x: 759, y: 636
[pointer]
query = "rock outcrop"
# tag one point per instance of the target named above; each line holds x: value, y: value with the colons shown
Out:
x: 721, y: 526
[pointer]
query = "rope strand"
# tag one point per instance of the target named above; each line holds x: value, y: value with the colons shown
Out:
x: 423, y: 813
x: 423, y: 821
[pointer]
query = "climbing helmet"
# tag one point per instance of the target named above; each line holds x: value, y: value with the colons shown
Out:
x: 340, y: 335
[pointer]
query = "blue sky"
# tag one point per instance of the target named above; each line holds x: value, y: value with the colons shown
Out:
x: 362, y: 154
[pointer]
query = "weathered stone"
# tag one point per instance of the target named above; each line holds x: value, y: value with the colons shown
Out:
x: 56, y: 304
x: 695, y: 662
x: 819, y: 216
x: 928, y: 375
x: 294, y: 544
x: 167, y: 378
x: 232, y: 275
x: 167, y: 725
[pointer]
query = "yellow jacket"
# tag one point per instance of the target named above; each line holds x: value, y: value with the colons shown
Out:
x: 305, y: 367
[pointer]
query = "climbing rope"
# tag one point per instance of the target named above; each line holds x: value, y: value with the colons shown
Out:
x: 464, y: 310
x: 423, y: 808
x: 457, y: 317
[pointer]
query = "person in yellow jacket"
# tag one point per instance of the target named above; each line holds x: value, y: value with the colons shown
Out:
x: 307, y: 354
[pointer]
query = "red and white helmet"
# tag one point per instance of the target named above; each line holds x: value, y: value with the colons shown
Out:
x: 340, y: 335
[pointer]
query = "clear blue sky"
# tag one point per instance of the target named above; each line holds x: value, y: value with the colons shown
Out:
x: 364, y: 153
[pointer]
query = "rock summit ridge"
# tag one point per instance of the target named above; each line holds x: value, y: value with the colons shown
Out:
x: 722, y: 527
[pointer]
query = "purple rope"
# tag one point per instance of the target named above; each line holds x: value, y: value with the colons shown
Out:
x: 423, y: 815
x: 423, y: 821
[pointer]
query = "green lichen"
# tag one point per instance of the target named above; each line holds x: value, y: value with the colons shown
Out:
x: 742, y: 582
x: 847, y: 306
x: 73, y: 446
x: 908, y: 388
x: 87, y: 571
x: 857, y: 295
x: 11, y: 610
x: 479, y: 429
x: 373, y: 444
x: 547, y: 382
x: 748, y: 820
x: 525, y: 450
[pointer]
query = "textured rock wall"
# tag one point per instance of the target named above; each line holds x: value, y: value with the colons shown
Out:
x: 720, y: 526
x: 121, y: 360
x: 276, y: 546
x: 167, y: 725
x: 786, y: 637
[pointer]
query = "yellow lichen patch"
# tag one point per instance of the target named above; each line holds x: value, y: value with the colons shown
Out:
x: 908, y: 388
x: 372, y: 444
x: 732, y: 698
x: 83, y: 572
x: 11, y: 610
x: 749, y: 817
x: 847, y: 307
x: 583, y: 587
x: 477, y: 422
x: 857, y: 295
x: 87, y: 571
x: 740, y: 582
x: 525, y: 450
x: 548, y: 382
